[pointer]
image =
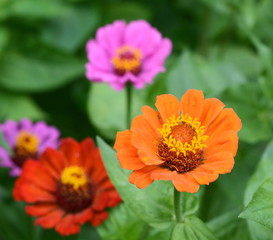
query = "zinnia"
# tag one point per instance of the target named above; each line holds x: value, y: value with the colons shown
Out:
x: 189, y: 142
x: 126, y: 53
x: 25, y: 140
x: 67, y: 188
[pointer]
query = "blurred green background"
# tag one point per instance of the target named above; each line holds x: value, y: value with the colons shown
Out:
x: 222, y: 47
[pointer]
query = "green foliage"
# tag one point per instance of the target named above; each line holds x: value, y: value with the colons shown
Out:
x: 222, y: 47
x: 192, y: 228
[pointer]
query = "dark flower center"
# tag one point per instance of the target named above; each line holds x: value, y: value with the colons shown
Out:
x: 74, y: 190
x: 182, y: 144
x: 127, y: 59
x: 26, y: 147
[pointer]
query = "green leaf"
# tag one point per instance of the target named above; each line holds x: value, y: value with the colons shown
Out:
x: 4, y: 38
x: 241, y: 58
x: 253, y: 111
x: 260, y: 208
x: 264, y: 171
x: 192, y: 228
x: 152, y: 204
x: 122, y: 224
x: 25, y: 74
x: 107, y: 108
x: 227, y: 226
x: 193, y: 72
x: 36, y: 8
x: 68, y: 32
x: 17, y: 106
x: 128, y: 11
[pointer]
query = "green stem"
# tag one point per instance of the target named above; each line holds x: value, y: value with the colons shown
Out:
x: 177, y: 200
x: 129, y: 103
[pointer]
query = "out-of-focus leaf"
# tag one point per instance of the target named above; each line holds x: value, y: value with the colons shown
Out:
x: 36, y: 8
x: 68, y: 32
x: 192, y: 228
x: 87, y: 232
x: 4, y: 37
x: 107, y: 108
x: 17, y: 106
x: 241, y: 58
x: 192, y: 71
x: 151, y: 204
x: 253, y: 108
x: 260, y: 208
x: 227, y: 226
x: 122, y: 224
x: 263, y: 172
x: 127, y: 10
x: 24, y: 74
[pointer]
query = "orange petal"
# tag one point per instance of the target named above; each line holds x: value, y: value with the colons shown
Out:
x: 68, y: 225
x: 162, y: 174
x: 71, y: 150
x: 127, y: 153
x: 50, y: 220
x: 227, y: 142
x: 98, y: 218
x: 185, y: 183
x: 41, y: 209
x: 221, y: 162
x: 89, y: 151
x: 141, y: 178
x: 227, y: 120
x: 204, y: 175
x: 192, y: 103
x: 83, y: 216
x: 100, y: 201
x: 153, y: 117
x: 146, y: 140
x: 212, y: 108
x: 53, y: 161
x: 167, y: 106
x: 25, y: 190
x: 32, y: 169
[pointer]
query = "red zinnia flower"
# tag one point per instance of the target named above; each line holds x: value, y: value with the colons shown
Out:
x: 189, y: 142
x: 67, y: 188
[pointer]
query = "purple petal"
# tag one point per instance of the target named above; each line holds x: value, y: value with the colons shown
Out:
x: 97, y: 75
x: 98, y: 57
x: 157, y: 59
x: 5, y: 160
x: 9, y: 130
x: 110, y: 37
x: 143, y: 36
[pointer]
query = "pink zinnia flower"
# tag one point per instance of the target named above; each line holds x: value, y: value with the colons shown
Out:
x: 126, y: 53
x: 25, y: 140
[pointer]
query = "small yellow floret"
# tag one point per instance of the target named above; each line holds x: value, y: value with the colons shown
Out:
x: 127, y: 64
x: 27, y: 141
x: 177, y: 146
x: 74, y: 176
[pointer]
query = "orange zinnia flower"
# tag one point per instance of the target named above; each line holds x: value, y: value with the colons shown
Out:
x: 67, y: 188
x: 189, y: 142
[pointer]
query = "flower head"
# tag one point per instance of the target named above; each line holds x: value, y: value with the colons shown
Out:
x: 126, y: 53
x: 25, y: 140
x: 189, y: 142
x: 67, y: 188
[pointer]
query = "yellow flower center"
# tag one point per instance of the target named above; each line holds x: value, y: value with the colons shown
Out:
x: 127, y: 59
x: 183, y: 134
x: 27, y: 142
x: 74, y: 176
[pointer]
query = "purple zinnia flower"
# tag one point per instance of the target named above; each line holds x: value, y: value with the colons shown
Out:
x: 126, y: 53
x: 25, y: 140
